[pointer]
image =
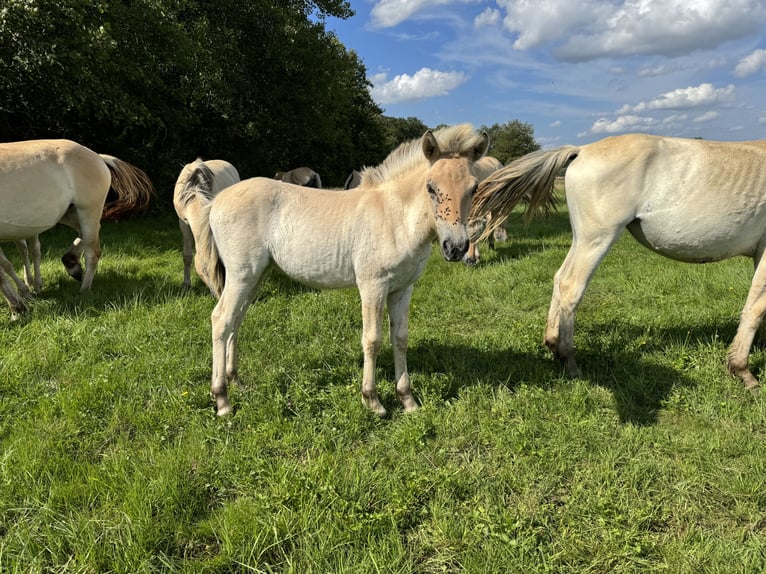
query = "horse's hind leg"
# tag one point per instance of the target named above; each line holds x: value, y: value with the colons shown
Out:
x: 16, y: 303
x: 188, y: 250
x: 226, y: 320
x: 569, y: 286
x: 36, y: 259
x: 752, y: 315
x: 7, y: 268
x: 398, y: 313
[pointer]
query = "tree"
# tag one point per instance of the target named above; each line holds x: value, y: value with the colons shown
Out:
x: 159, y: 82
x: 511, y: 140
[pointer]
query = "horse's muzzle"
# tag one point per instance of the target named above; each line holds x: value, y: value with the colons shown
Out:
x: 454, y: 251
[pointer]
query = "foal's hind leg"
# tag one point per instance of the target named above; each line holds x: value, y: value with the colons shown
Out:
x: 398, y: 313
x: 752, y: 315
x: 569, y: 286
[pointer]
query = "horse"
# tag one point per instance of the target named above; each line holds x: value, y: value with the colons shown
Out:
x: 217, y: 174
x: 353, y: 180
x: 690, y: 200
x: 482, y: 169
x: 376, y: 237
x: 303, y: 176
x: 45, y: 182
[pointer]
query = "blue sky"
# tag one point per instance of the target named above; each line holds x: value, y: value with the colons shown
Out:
x: 578, y: 71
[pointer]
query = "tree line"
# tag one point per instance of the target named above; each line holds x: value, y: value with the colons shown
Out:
x: 260, y: 83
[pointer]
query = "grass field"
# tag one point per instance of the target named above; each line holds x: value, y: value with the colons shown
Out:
x: 111, y: 458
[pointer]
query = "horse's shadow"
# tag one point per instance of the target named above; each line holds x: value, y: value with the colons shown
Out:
x: 639, y: 385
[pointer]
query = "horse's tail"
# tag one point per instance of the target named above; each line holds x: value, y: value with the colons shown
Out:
x: 130, y: 192
x: 529, y: 179
x: 199, y: 187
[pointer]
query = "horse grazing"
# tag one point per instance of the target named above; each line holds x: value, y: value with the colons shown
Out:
x: 353, y: 180
x: 214, y: 175
x: 690, y: 200
x: 482, y: 169
x: 303, y: 176
x: 376, y: 237
x: 45, y: 182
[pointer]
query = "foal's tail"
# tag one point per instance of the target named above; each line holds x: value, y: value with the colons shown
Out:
x: 130, y: 192
x: 529, y: 179
x: 199, y: 187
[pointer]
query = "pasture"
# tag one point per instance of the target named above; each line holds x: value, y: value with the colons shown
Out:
x: 112, y: 459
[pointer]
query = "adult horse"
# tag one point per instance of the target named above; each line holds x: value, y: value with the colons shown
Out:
x: 482, y: 169
x: 303, y: 176
x: 353, y: 180
x: 376, y: 237
x: 690, y: 200
x: 45, y: 182
x: 213, y: 174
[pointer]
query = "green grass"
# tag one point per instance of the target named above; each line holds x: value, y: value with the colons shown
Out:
x: 111, y: 458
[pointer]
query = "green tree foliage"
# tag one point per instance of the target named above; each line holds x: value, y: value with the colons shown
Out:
x: 511, y: 140
x: 400, y: 130
x: 160, y: 82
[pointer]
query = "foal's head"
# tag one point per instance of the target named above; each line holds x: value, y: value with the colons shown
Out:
x: 451, y: 184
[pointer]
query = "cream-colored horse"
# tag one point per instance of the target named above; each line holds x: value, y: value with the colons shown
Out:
x: 690, y: 200
x: 482, y: 169
x: 376, y: 237
x: 45, y: 182
x: 213, y: 174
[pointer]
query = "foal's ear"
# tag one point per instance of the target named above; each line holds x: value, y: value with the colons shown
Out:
x: 481, y: 147
x: 430, y: 146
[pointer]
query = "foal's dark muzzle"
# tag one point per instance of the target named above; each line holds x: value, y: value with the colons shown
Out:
x: 454, y: 250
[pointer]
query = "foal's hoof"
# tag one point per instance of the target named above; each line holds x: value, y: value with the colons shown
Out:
x: 223, y: 407
x: 374, y: 405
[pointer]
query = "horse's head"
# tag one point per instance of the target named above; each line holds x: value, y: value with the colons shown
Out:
x: 451, y: 184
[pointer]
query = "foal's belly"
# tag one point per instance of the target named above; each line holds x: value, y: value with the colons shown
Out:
x: 699, y: 238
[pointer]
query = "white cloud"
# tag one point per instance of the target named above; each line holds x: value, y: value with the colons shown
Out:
x: 389, y: 13
x: 555, y: 124
x: 653, y: 71
x: 707, y: 117
x: 683, y: 98
x: 591, y: 29
x: 425, y: 83
x: 621, y: 124
x: 751, y: 64
x: 489, y: 17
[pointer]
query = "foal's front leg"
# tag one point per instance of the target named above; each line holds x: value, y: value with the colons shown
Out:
x: 372, y: 334
x: 398, y: 313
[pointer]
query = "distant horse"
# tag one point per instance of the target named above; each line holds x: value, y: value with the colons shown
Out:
x: 353, y: 180
x: 482, y: 169
x: 690, y: 200
x: 214, y: 175
x: 303, y: 176
x: 45, y: 182
x: 376, y: 237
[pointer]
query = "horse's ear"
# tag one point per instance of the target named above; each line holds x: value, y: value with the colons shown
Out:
x: 430, y: 146
x: 481, y: 146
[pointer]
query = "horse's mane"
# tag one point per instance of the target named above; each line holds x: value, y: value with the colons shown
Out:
x: 455, y: 140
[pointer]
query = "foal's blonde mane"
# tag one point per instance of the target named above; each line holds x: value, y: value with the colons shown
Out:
x: 453, y: 140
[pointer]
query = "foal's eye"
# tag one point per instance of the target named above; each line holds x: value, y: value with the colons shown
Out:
x: 431, y: 189
x: 474, y: 189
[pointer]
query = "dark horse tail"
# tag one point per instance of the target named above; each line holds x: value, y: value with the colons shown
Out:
x: 528, y: 179
x: 130, y: 192
x: 199, y: 187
